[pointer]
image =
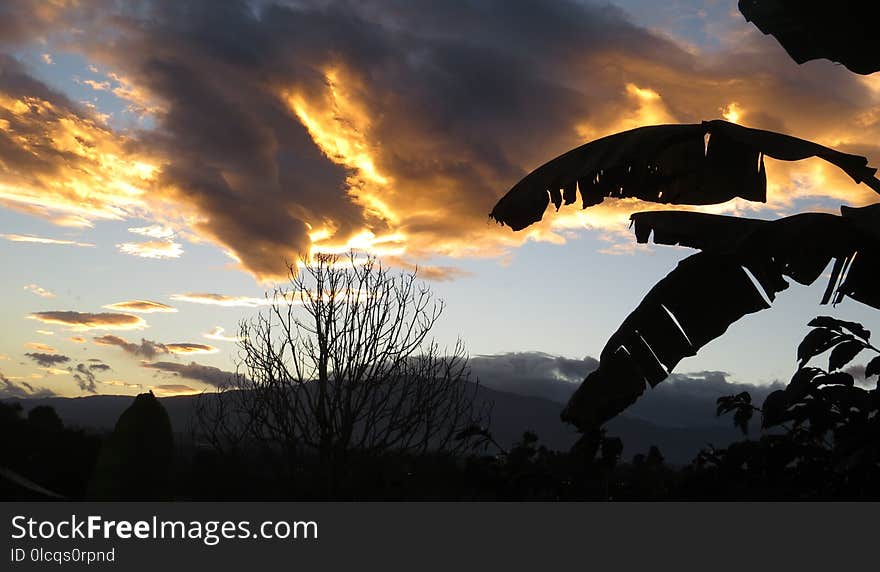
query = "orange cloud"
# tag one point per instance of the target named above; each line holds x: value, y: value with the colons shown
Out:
x: 141, y: 306
x: 82, y: 321
x: 171, y: 390
x: 189, y: 348
x: 42, y: 240
x: 222, y: 300
x: 62, y: 162
x: 330, y: 147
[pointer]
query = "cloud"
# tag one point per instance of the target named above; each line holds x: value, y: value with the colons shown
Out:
x: 141, y: 306
x: 154, y: 231
x: 84, y: 377
x: 190, y: 348
x: 195, y: 371
x: 147, y: 348
x: 152, y: 249
x: 77, y: 339
x: 171, y: 390
x: 42, y: 292
x: 99, y: 367
x: 532, y: 373
x: 59, y: 160
x: 216, y: 333
x: 42, y: 240
x: 47, y: 359
x: 683, y: 400
x: 118, y: 383
x: 390, y: 126
x: 82, y: 321
x: 689, y: 399
x: 22, y: 390
x: 45, y: 332
x: 222, y: 300
x: 40, y: 347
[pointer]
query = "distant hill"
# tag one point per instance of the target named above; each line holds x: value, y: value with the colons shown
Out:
x: 511, y: 416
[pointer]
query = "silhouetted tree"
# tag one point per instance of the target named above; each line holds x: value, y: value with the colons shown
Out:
x: 341, y: 362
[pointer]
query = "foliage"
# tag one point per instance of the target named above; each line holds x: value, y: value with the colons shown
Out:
x: 822, y: 432
x: 38, y: 449
x: 700, y: 164
x: 843, y: 32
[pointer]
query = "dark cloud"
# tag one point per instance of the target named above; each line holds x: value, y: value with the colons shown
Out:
x: 150, y: 349
x: 99, y: 367
x: 196, y: 371
x: 147, y: 348
x: 27, y: 20
x: 84, y: 377
x: 144, y: 306
x: 396, y: 121
x: 532, y: 373
x: 47, y: 360
x: 683, y: 400
x: 22, y: 389
x: 689, y: 399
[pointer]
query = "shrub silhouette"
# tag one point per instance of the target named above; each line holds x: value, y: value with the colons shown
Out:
x: 824, y: 439
x: 40, y: 458
x: 135, y: 461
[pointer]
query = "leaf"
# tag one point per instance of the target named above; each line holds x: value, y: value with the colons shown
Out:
x: 799, y: 246
x: 775, y: 409
x: 815, y: 342
x: 813, y: 30
x: 844, y: 353
x: 873, y: 367
x: 840, y: 325
x: 742, y: 417
x: 668, y: 164
x: 801, y: 383
x: 837, y: 378
x: 692, y: 305
x: 611, y: 449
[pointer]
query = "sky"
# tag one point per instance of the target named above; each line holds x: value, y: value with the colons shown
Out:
x: 160, y: 160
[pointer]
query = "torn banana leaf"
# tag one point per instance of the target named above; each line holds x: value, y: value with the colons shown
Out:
x: 743, y: 263
x: 844, y: 31
x: 692, y: 164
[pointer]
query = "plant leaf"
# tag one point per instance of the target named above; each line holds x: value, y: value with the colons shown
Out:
x: 836, y: 378
x: 813, y: 30
x: 668, y: 164
x: 815, y: 342
x: 775, y: 409
x: 840, y: 325
x: 873, y: 367
x: 692, y: 305
x: 844, y: 353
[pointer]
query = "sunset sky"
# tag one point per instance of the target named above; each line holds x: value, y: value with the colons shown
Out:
x: 160, y: 160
